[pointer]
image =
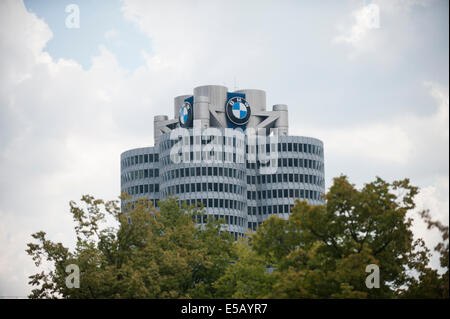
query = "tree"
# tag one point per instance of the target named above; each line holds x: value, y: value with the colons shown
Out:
x: 431, y: 284
x: 249, y: 277
x: 323, y: 251
x: 151, y: 254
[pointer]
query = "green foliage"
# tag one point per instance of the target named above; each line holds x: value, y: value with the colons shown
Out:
x: 431, y: 284
x: 319, y: 252
x: 323, y: 251
x: 157, y: 254
x: 246, y: 278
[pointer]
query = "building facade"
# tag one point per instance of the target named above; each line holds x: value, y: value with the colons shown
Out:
x: 225, y: 150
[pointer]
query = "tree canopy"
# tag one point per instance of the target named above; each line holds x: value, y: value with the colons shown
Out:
x: 151, y: 254
x: 318, y: 252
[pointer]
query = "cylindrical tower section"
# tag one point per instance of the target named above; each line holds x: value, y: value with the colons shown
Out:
x: 157, y: 124
x: 282, y: 123
x: 257, y: 101
x: 139, y: 174
x: 201, y: 112
x: 177, y: 104
x: 300, y: 174
x: 256, y: 98
x: 217, y: 97
x: 220, y: 186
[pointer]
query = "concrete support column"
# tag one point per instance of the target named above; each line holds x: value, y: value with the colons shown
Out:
x: 282, y: 123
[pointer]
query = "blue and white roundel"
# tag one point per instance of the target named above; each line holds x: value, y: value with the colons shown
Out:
x: 237, y: 110
x: 185, y: 114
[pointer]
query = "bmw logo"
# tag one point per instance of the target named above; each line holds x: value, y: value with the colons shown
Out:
x: 185, y: 118
x: 238, y: 110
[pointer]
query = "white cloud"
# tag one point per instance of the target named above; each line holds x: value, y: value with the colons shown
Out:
x: 378, y: 26
x: 61, y: 137
x: 398, y: 141
x: 367, y: 18
x: 111, y: 34
x: 435, y: 199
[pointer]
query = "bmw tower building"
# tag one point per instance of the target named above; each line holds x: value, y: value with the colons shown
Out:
x: 227, y: 151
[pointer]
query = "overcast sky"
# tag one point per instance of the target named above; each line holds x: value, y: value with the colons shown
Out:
x: 73, y: 99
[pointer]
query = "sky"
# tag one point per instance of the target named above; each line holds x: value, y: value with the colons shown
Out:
x: 373, y: 88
